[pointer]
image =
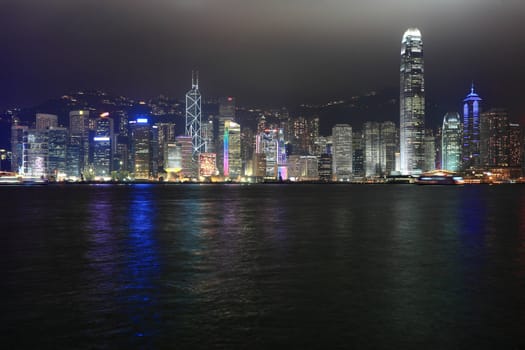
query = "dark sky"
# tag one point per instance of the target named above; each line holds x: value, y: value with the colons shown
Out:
x: 264, y: 52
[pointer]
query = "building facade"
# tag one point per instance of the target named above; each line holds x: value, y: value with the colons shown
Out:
x: 140, y: 135
x: 232, y: 162
x: 57, y: 153
x: 471, y: 131
x: 412, y: 103
x: 342, y: 152
x: 494, y: 138
x: 451, y: 142
x: 193, y: 121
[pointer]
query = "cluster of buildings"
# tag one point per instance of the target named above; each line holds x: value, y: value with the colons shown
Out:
x: 476, y: 143
x: 123, y: 146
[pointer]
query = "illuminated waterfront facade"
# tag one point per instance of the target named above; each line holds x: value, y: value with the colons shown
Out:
x: 165, y: 135
x: 140, y: 132
x: 380, y: 146
x: 324, y: 167
x: 303, y: 168
x: 451, y: 139
x: 389, y: 141
x: 515, y: 145
x: 78, y: 145
x: 57, y: 153
x: 270, y: 142
x: 207, y: 163
x: 207, y: 136
x: 102, y: 142
x: 17, y: 145
x: 412, y: 103
x: 494, y: 138
x: 373, y: 148
x: 185, y: 146
x: 342, y: 152
x: 471, y: 131
x: 232, y: 163
x: 226, y: 113
x: 358, y: 154
x: 36, y: 153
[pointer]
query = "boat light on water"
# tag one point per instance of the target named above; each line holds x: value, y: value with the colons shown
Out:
x: 440, y: 178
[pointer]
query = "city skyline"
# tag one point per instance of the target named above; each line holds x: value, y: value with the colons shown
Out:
x: 272, y: 54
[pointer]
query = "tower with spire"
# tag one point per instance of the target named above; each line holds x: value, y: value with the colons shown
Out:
x: 412, y: 103
x: 193, y: 118
x: 471, y: 130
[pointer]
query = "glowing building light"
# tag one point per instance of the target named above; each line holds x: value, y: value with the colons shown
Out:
x: 226, y: 170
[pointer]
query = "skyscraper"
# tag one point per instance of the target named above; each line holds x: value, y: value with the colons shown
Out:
x: 193, y: 118
x: 232, y: 163
x: 166, y: 135
x: 57, y: 153
x: 17, y: 145
x: 270, y: 142
x: 102, y: 144
x: 515, y: 145
x: 342, y: 152
x: 412, y: 102
x: 140, y: 132
x: 494, y: 138
x: 451, y: 142
x: 226, y: 112
x: 389, y: 139
x: 185, y: 153
x: 372, y: 140
x: 35, y: 153
x: 471, y: 130
x: 325, y: 167
x: 358, y: 154
x: 380, y: 147
x: 78, y: 146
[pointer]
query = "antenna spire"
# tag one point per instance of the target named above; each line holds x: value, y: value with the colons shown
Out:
x: 195, y: 79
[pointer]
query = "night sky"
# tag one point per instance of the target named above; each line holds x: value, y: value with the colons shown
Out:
x: 266, y: 53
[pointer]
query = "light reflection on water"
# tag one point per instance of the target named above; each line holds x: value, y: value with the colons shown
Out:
x: 239, y: 266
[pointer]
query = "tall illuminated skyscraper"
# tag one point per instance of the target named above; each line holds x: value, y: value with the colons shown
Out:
x: 342, y: 152
x: 412, y: 102
x: 380, y: 147
x: 372, y: 139
x: 270, y: 142
x: 471, y: 130
x: 494, y: 148
x: 102, y: 144
x: 232, y: 163
x: 515, y: 145
x: 451, y: 142
x: 17, y: 145
x: 57, y: 151
x: 140, y: 135
x: 193, y: 117
x: 389, y: 140
x: 35, y: 153
x: 226, y: 112
x: 78, y: 147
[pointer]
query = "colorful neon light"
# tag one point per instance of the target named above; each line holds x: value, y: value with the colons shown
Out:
x: 226, y: 169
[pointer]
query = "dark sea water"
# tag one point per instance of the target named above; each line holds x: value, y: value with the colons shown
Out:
x: 260, y: 266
